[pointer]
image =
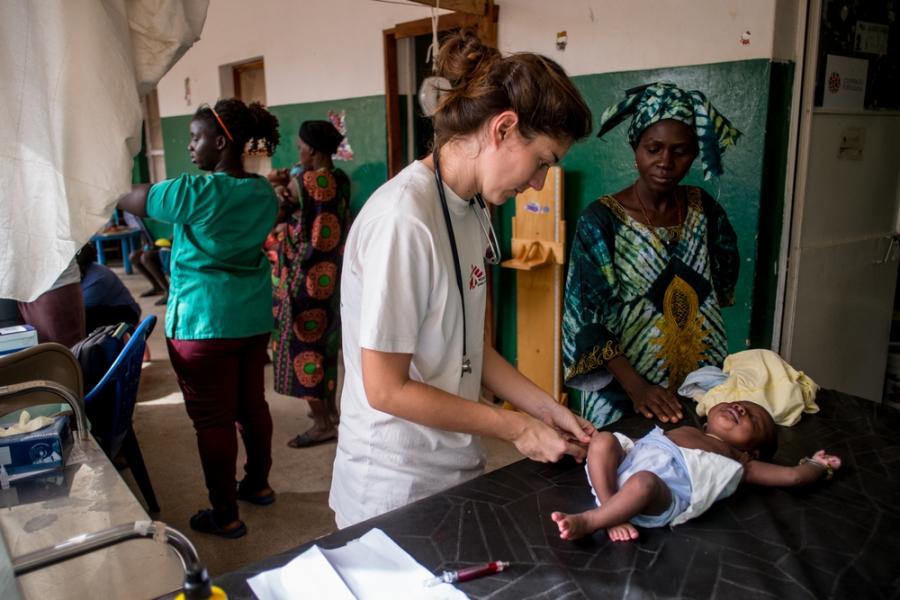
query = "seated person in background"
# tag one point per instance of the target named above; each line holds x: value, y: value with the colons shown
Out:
x: 106, y: 299
x: 58, y: 314
x: 670, y: 477
x: 146, y: 260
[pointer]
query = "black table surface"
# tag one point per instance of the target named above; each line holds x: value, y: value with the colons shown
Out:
x: 836, y: 539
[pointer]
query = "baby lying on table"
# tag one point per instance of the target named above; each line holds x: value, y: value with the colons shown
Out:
x: 670, y: 477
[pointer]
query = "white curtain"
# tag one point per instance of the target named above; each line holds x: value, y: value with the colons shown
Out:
x: 71, y: 76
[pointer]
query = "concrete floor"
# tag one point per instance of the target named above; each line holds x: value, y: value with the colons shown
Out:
x: 301, y: 477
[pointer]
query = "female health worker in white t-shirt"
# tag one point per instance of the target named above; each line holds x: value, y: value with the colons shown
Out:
x: 413, y: 291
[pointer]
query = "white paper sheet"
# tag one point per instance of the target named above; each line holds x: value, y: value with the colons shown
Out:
x: 372, y: 567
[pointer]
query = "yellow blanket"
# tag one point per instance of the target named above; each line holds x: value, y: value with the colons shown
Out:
x: 763, y: 377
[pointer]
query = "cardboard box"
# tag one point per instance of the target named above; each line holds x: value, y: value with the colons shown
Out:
x: 17, y: 337
x: 39, y: 451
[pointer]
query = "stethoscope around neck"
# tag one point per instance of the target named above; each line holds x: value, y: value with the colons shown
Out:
x: 492, y: 256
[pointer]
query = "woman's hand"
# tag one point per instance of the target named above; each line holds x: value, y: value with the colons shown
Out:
x: 572, y: 426
x: 654, y: 401
x: 544, y: 443
x: 279, y: 177
x: 648, y: 399
x: 284, y: 195
x: 389, y: 389
x: 287, y: 204
x: 504, y: 380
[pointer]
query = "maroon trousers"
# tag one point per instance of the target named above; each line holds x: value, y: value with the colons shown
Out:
x: 223, y: 383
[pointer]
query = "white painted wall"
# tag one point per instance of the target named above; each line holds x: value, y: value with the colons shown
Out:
x: 313, y: 50
x: 328, y: 49
x: 790, y: 30
x: 625, y: 35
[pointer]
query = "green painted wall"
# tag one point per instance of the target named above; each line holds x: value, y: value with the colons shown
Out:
x: 754, y: 94
x: 175, y: 131
x: 140, y: 170
x: 366, y: 134
x: 741, y: 90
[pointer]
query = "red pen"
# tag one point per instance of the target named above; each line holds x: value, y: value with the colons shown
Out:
x: 468, y: 573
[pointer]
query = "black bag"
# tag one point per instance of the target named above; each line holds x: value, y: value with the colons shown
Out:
x: 96, y: 353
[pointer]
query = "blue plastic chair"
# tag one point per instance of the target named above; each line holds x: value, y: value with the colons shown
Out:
x: 130, y: 239
x: 115, y: 431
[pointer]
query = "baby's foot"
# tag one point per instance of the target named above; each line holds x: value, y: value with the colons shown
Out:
x: 571, y: 527
x: 622, y: 533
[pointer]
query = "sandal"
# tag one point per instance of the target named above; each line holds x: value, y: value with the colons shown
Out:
x: 152, y: 292
x: 333, y: 417
x: 264, y: 499
x: 304, y: 440
x: 205, y: 522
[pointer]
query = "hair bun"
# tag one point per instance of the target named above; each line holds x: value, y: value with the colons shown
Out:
x: 484, y: 83
x: 463, y: 57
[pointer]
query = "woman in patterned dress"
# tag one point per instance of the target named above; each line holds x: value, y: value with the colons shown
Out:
x: 310, y: 243
x: 651, y: 265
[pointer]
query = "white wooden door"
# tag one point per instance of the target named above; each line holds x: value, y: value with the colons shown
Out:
x: 843, y: 259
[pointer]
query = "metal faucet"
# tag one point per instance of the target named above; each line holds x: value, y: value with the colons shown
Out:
x: 197, y: 585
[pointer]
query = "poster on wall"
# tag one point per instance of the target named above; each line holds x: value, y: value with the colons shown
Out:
x: 871, y: 38
x: 845, y: 82
x: 339, y: 120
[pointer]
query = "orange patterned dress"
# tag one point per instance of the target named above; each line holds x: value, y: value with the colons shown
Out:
x: 306, y: 272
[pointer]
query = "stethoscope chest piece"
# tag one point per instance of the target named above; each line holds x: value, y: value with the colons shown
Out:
x: 466, y: 366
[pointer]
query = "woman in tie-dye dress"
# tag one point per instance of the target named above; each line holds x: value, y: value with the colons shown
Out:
x: 309, y: 245
x: 652, y: 265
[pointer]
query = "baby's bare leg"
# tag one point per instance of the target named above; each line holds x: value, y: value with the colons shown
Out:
x: 604, y: 456
x: 643, y: 493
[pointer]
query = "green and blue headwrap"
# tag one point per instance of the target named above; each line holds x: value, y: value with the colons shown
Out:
x: 657, y: 101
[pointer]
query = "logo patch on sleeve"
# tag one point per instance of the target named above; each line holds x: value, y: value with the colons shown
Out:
x: 476, y: 277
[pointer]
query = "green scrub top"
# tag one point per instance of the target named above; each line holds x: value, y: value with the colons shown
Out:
x: 221, y: 284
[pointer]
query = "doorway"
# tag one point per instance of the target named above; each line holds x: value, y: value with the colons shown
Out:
x: 153, y: 137
x: 247, y: 80
x: 405, y: 47
x: 421, y: 131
